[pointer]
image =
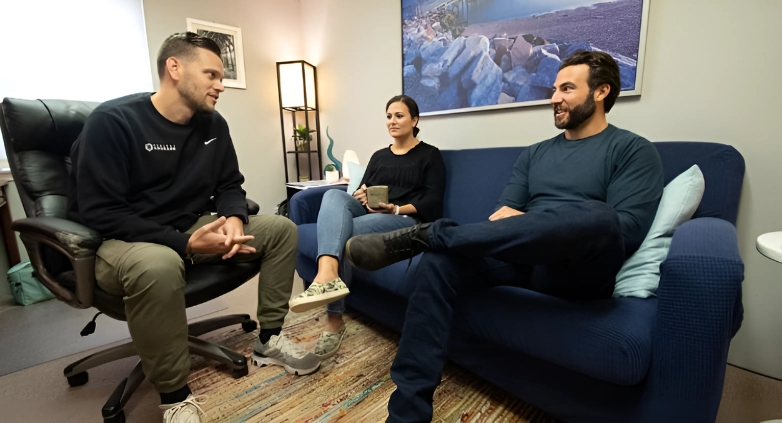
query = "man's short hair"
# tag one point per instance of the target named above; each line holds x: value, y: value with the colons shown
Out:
x: 602, y: 70
x: 183, y: 45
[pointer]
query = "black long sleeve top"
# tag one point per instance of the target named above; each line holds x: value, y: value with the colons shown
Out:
x: 416, y: 177
x: 138, y: 177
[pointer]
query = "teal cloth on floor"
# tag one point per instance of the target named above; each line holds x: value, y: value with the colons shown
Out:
x: 25, y: 288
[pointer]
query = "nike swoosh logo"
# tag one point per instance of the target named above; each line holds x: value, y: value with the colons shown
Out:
x: 207, y: 142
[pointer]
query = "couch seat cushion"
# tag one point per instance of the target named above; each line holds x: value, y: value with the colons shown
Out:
x: 395, y: 278
x: 610, y: 340
x: 391, y: 278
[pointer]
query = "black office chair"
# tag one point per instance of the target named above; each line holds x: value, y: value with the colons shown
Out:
x: 38, y: 135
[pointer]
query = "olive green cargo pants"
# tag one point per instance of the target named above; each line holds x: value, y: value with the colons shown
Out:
x: 151, y: 278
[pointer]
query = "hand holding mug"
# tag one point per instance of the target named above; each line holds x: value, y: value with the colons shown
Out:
x: 383, y: 208
x: 361, y: 195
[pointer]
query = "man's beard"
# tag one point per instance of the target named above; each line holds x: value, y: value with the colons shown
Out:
x: 193, y: 102
x: 578, y: 114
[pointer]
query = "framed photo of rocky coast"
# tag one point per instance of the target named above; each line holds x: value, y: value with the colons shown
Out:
x: 229, y: 38
x: 469, y: 55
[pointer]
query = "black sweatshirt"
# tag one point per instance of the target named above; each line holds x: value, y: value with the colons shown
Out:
x: 138, y: 177
x: 615, y: 166
x: 416, y: 177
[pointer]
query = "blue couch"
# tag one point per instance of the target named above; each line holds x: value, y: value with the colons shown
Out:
x: 660, y: 359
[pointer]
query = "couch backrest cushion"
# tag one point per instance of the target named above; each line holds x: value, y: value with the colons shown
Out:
x: 723, y: 170
x: 475, y: 178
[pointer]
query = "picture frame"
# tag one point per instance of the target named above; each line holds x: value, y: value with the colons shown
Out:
x: 229, y: 38
x: 472, y: 55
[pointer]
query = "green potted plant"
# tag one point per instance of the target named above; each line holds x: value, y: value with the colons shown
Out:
x: 332, y: 174
x: 302, y: 137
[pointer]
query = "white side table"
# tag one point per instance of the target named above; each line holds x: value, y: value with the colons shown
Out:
x: 770, y: 245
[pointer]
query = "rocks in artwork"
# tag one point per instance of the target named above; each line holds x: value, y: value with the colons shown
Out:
x: 443, y: 71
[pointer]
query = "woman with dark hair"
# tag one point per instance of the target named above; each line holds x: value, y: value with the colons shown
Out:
x: 415, y: 175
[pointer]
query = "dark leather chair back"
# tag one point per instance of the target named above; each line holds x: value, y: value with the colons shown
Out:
x: 38, y: 135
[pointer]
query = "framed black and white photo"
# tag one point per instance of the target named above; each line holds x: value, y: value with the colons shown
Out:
x: 229, y: 38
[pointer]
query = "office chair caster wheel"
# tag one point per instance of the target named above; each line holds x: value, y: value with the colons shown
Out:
x: 240, y: 373
x: 249, y: 326
x: 119, y: 418
x: 78, y: 379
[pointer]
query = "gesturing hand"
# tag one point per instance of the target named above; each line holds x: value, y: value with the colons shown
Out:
x: 233, y: 229
x: 212, y: 239
x: 504, y: 212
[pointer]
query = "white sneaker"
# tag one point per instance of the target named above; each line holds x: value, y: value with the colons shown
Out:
x: 186, y: 411
x: 280, y: 351
x: 319, y: 294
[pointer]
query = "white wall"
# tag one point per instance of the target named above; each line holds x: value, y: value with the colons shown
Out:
x: 711, y: 75
x: 271, y: 32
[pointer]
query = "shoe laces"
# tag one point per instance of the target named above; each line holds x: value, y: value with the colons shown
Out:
x: 195, y: 400
x: 402, y: 243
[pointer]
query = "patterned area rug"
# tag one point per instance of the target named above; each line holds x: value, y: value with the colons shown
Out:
x: 352, y: 386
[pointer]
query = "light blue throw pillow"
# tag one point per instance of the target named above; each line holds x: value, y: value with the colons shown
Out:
x: 356, y: 172
x: 640, y: 274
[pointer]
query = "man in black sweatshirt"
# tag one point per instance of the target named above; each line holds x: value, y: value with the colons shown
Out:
x: 576, y: 205
x: 146, y: 169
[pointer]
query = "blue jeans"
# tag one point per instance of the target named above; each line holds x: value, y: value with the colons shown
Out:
x: 341, y: 216
x: 573, y: 251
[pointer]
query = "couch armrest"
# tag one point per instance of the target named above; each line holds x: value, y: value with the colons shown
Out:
x: 699, y: 311
x: 714, y: 242
x: 76, y: 242
x: 305, y: 204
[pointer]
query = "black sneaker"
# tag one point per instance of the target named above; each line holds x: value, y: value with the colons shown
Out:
x: 375, y: 251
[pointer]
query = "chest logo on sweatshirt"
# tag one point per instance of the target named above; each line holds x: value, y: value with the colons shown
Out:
x: 160, y: 147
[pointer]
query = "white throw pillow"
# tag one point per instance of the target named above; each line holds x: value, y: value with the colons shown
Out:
x: 640, y: 274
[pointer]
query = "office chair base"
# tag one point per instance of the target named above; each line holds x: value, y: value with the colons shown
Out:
x: 112, y: 411
x: 240, y: 373
x: 78, y: 379
x: 219, y: 353
x: 205, y: 326
x: 102, y: 357
x: 119, y: 418
x: 249, y: 326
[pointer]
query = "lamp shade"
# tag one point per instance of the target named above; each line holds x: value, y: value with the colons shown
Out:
x: 297, y: 84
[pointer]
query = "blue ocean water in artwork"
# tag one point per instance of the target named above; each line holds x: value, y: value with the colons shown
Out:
x: 499, y: 10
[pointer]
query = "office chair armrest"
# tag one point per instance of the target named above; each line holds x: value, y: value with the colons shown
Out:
x: 252, y: 207
x: 76, y: 242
